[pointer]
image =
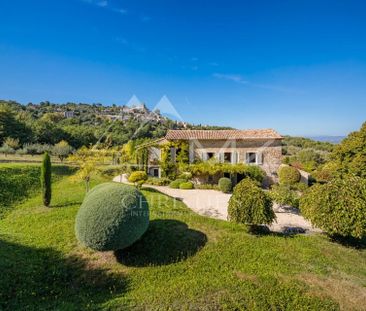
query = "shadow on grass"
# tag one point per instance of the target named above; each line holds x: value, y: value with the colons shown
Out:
x: 66, y: 204
x: 63, y: 170
x: 43, y: 279
x: 166, y: 241
x: 263, y: 230
x: 349, y: 241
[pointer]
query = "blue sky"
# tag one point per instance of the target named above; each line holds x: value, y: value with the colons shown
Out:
x: 297, y: 66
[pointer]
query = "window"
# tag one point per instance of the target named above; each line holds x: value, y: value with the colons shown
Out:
x: 251, y: 158
x: 156, y: 172
x: 227, y: 157
x: 210, y: 155
x: 254, y: 158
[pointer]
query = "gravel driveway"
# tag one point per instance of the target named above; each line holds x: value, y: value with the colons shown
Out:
x: 213, y: 203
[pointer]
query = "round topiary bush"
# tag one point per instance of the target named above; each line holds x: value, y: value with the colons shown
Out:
x: 186, y: 185
x: 249, y: 204
x: 288, y: 175
x: 176, y: 183
x: 225, y: 185
x: 138, y: 178
x: 338, y: 207
x: 112, y: 216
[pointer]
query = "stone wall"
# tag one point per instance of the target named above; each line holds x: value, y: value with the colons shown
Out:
x: 271, y: 151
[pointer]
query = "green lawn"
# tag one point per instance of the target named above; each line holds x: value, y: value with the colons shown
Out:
x: 184, y: 262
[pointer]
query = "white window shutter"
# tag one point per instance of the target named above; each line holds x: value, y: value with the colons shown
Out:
x: 247, y: 157
x: 221, y: 156
x: 234, y: 157
x: 204, y: 156
x: 260, y: 158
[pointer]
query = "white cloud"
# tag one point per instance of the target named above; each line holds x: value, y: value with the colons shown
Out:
x: 231, y: 77
x: 105, y: 4
x: 121, y: 11
x: 102, y: 4
x: 239, y: 79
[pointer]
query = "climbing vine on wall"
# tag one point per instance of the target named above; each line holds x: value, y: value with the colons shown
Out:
x: 169, y: 167
x: 142, y: 158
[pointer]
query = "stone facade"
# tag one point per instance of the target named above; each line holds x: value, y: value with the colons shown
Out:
x: 266, y: 152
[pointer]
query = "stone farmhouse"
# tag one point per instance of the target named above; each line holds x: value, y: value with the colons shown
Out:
x: 262, y: 147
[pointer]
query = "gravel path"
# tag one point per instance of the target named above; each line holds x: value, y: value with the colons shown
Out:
x: 213, y: 203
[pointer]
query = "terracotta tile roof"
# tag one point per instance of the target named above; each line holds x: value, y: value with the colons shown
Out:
x: 222, y: 134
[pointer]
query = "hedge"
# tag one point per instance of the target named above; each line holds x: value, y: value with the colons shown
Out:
x: 163, y: 181
x: 338, y: 207
x: 186, y: 185
x: 112, y: 216
x: 176, y: 183
x: 18, y: 182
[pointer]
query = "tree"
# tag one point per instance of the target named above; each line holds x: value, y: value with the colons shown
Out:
x: 87, y: 162
x: 349, y: 157
x: 85, y: 173
x: 46, y: 179
x: 62, y: 150
x: 80, y: 135
x: 11, y: 127
x: 46, y: 132
x: 337, y: 207
x: 12, y: 142
x: 250, y: 205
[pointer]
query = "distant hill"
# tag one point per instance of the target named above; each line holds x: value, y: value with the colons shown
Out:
x: 328, y: 139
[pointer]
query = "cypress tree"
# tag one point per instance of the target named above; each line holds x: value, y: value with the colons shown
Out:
x: 46, y: 179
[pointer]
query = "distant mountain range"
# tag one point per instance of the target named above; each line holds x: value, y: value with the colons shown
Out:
x: 329, y: 139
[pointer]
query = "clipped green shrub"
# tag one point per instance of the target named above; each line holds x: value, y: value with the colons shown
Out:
x: 225, y: 185
x: 46, y: 174
x: 17, y: 182
x: 163, y: 181
x: 112, y: 216
x: 176, y: 183
x: 283, y: 195
x: 337, y: 207
x: 288, y: 175
x: 138, y: 178
x: 186, y: 185
x: 249, y: 204
x: 207, y: 186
